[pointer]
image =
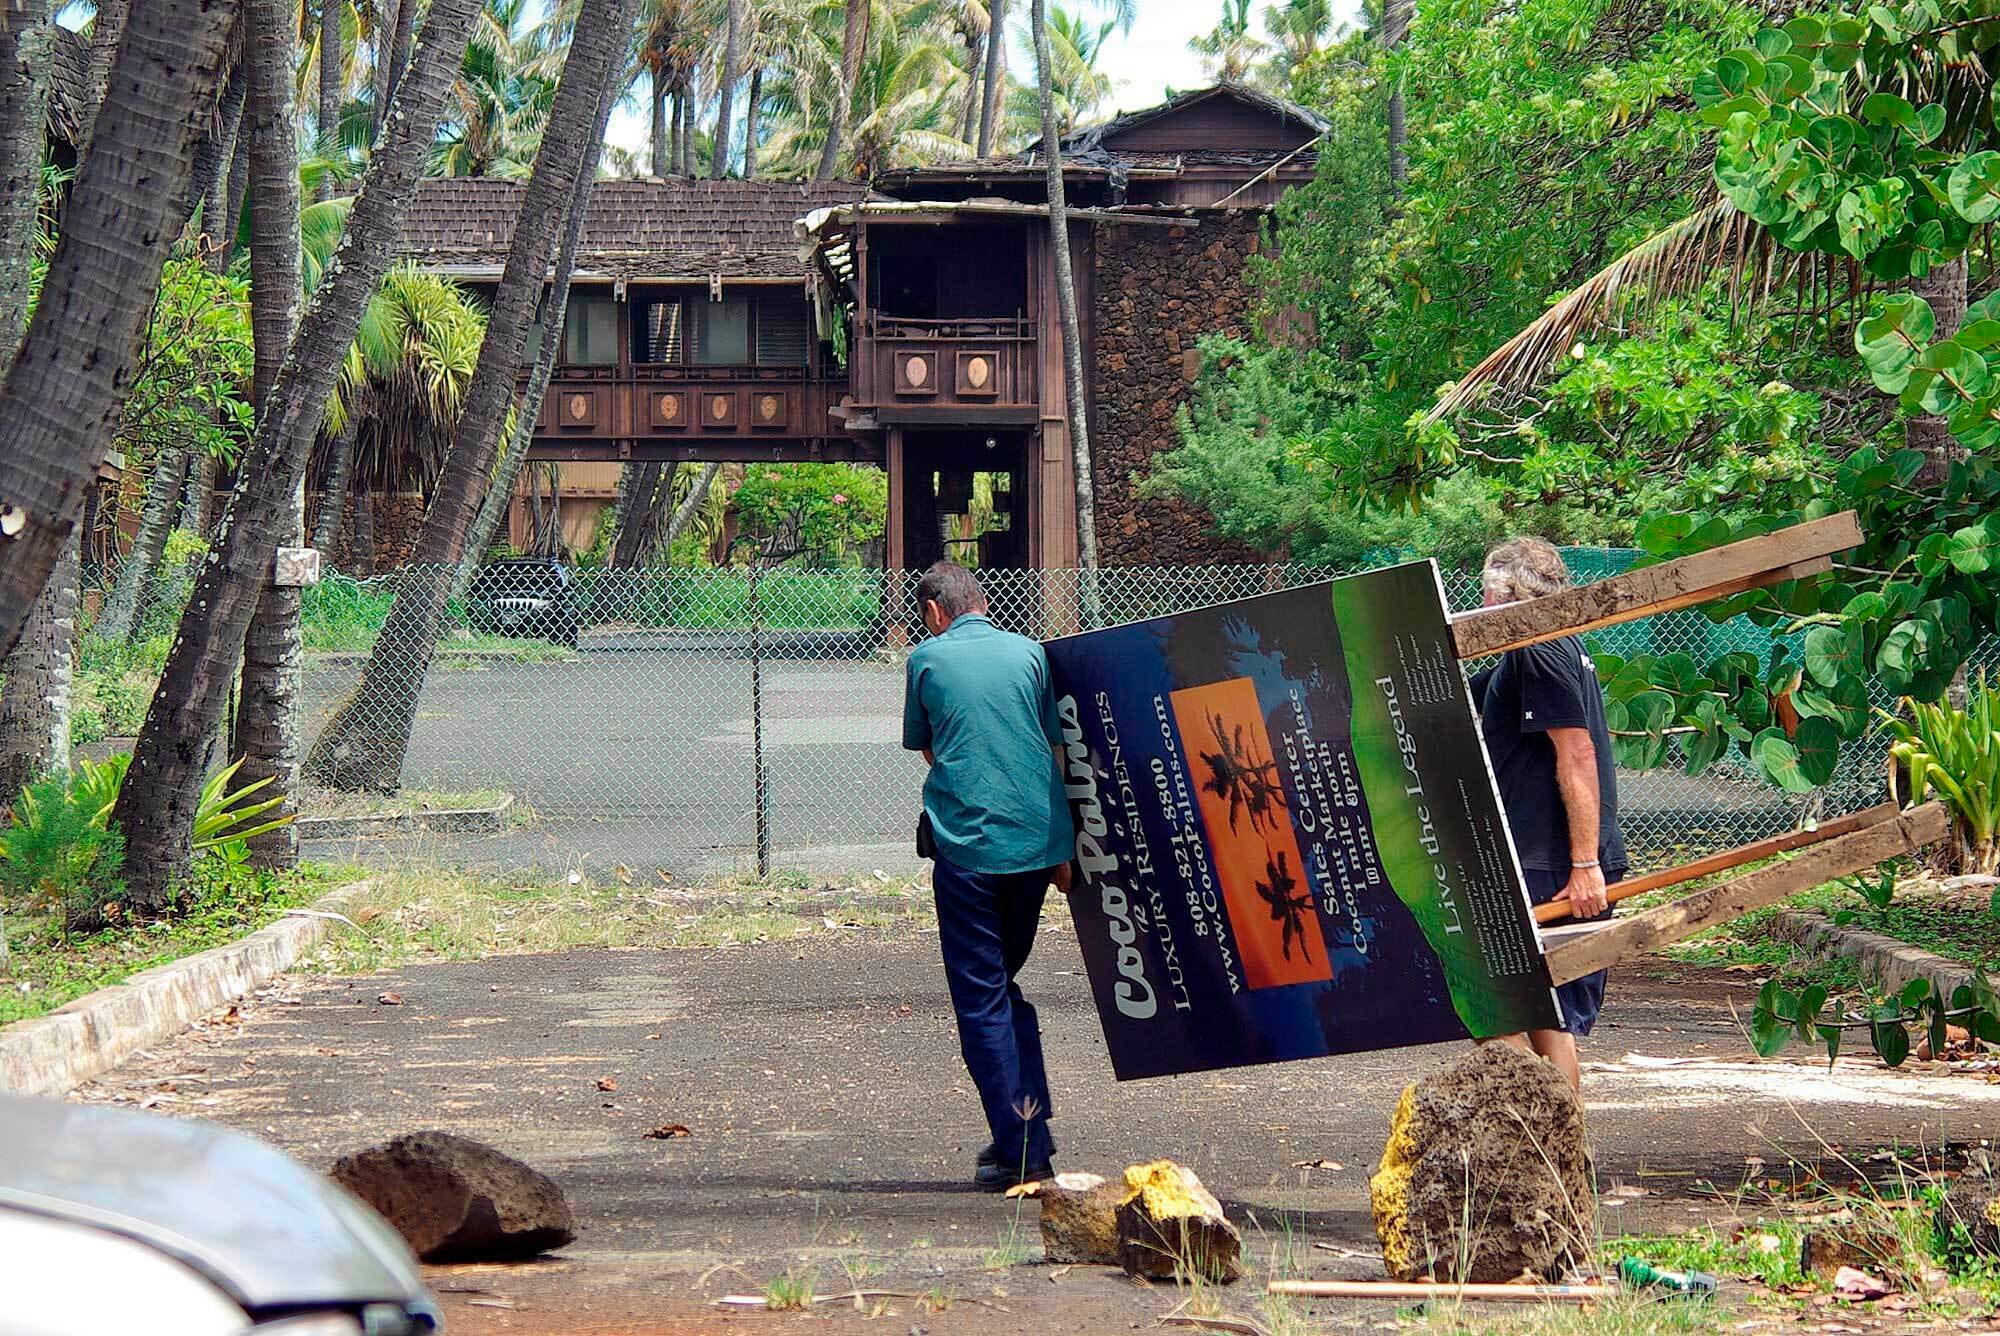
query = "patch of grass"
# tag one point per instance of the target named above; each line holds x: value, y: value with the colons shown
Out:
x: 1766, y: 1252
x: 332, y: 803
x: 1623, y: 1315
x: 791, y: 1292
x: 48, y: 968
x: 418, y: 913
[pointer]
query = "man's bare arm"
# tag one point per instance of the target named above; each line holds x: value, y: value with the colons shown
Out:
x: 928, y: 758
x: 1576, y: 778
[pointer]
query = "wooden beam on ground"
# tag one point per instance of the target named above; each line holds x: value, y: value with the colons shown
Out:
x: 1556, y: 910
x: 1419, y: 1289
x: 1789, y: 554
x: 1588, y: 952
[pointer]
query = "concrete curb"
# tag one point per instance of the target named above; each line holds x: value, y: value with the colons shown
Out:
x: 1881, y: 957
x: 52, y: 1054
x: 447, y: 821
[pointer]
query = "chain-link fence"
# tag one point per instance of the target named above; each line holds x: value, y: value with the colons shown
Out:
x: 689, y: 720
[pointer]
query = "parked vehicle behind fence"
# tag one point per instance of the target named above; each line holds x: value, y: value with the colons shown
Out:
x: 527, y: 597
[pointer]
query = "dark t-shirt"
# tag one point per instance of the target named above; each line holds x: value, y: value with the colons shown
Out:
x: 1529, y: 692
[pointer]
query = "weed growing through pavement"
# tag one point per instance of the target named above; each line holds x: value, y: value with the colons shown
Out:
x: 1012, y: 1250
x: 790, y: 1292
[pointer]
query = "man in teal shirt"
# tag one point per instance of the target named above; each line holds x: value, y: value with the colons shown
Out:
x: 977, y: 704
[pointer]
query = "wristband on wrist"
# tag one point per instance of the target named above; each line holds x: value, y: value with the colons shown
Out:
x: 1582, y: 862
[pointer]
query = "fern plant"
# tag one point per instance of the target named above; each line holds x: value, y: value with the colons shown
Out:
x: 1955, y: 754
x: 58, y: 853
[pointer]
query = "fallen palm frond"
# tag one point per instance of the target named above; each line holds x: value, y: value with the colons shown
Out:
x: 1676, y: 261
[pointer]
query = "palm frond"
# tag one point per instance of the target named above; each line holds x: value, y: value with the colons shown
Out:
x: 1676, y: 261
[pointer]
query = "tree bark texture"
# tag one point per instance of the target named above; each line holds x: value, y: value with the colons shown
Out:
x: 363, y: 745
x: 690, y: 504
x: 1072, y: 333
x: 732, y: 74
x: 334, y: 482
x: 134, y: 587
x: 71, y: 376
x: 661, y: 139
x: 267, y: 710
x: 332, y: 81
x: 1944, y: 287
x: 752, y: 114
x: 975, y: 88
x: 500, y: 493
x: 215, y: 155
x: 25, y: 46
x: 996, y: 76
x: 688, y: 156
x: 853, y: 45
x: 107, y: 34
x: 638, y: 487
x: 399, y: 45
x: 156, y: 807
x: 34, y: 708
x: 1396, y: 15
x: 234, y: 194
x: 198, y: 494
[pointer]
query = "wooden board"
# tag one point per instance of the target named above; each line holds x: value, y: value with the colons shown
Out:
x: 1556, y: 910
x: 1588, y: 952
x: 1789, y: 554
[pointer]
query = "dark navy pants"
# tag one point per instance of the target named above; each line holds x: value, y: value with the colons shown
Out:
x: 986, y: 924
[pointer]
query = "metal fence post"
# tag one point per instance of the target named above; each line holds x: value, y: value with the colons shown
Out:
x: 760, y: 777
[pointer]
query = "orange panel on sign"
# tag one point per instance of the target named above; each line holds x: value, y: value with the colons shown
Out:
x: 1243, y: 806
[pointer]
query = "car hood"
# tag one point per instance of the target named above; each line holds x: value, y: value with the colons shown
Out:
x: 266, y: 1230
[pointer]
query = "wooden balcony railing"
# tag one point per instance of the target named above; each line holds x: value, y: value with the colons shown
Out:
x: 980, y: 363
x: 655, y: 401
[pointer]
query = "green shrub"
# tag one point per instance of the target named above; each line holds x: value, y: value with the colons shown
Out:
x: 59, y: 853
x: 1955, y: 754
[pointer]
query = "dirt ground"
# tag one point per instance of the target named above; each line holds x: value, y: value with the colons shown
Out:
x: 831, y: 1128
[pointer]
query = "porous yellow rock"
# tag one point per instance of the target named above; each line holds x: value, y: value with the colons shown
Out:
x: 1170, y: 1226
x: 1389, y: 1189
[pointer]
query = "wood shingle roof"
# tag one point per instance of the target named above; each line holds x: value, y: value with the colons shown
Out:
x: 634, y: 229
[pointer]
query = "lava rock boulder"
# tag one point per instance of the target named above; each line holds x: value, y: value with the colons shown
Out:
x: 456, y: 1200
x: 1485, y: 1177
x: 1170, y: 1227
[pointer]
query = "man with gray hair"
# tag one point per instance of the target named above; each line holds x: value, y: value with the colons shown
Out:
x: 977, y: 703
x: 1542, y: 713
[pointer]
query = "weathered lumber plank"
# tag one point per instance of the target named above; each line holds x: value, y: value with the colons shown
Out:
x: 1789, y: 554
x: 1555, y: 910
x: 1587, y: 953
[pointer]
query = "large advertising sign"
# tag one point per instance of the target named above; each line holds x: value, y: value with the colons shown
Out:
x: 1288, y: 839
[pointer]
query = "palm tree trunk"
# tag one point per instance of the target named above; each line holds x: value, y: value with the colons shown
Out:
x: 638, y: 486
x: 688, y: 156
x: 25, y: 46
x: 267, y: 711
x: 107, y: 32
x: 1072, y: 333
x: 198, y: 493
x: 156, y: 809
x: 134, y: 585
x: 216, y: 153
x: 500, y: 493
x: 996, y: 76
x: 334, y: 483
x: 232, y: 203
x: 332, y: 79
x: 732, y: 74
x: 34, y: 708
x: 363, y: 745
x: 68, y: 383
x: 1396, y: 15
x: 361, y: 543
x: 662, y: 140
x: 975, y: 88
x: 689, y: 506
x: 399, y: 44
x: 751, y: 115
x: 853, y: 45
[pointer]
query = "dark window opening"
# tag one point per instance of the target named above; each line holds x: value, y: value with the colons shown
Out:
x: 590, y: 334
x: 961, y: 271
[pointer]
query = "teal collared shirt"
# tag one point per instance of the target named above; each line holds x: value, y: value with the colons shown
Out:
x: 979, y: 699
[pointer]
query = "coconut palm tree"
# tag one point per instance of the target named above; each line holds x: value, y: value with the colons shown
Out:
x: 903, y: 113
x: 502, y: 95
x: 1299, y: 30
x: 157, y: 816
x: 1229, y: 51
x: 853, y: 50
x: 1079, y: 87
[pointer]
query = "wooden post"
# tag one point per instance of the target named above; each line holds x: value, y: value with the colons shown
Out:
x: 1789, y: 554
x: 1590, y: 951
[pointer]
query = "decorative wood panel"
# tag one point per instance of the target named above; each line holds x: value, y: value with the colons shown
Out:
x: 668, y: 410
x: 978, y: 373
x: 917, y: 372
x: 578, y: 408
x: 770, y: 410
x: 718, y: 409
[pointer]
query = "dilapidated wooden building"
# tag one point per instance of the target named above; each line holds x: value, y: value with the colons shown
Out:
x: 911, y: 323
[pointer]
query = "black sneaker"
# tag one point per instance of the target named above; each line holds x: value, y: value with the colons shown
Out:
x: 1000, y: 1177
x: 990, y: 1153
